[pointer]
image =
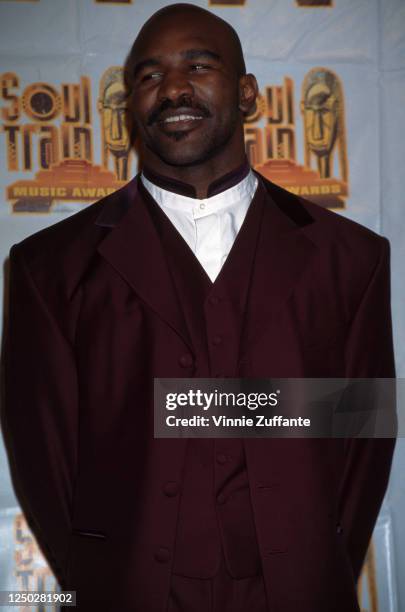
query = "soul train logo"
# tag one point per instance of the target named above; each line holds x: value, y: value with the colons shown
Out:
x: 271, y: 147
x: 48, y: 132
x: 31, y: 570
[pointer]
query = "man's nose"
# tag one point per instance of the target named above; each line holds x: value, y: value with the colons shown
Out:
x: 174, y: 85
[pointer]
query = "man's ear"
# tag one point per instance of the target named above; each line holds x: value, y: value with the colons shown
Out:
x: 248, y: 92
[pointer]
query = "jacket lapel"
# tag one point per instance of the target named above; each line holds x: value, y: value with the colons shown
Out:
x: 133, y: 248
x: 282, y: 254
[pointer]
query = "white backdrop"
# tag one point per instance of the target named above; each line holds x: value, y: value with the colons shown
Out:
x: 55, y: 159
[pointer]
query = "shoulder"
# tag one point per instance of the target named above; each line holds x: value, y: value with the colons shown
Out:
x: 348, y: 261
x: 78, y: 234
x: 333, y: 234
x: 58, y: 257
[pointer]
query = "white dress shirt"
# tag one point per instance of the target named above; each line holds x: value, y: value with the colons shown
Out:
x: 208, y: 225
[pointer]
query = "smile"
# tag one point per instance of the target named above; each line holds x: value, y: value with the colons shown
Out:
x: 178, y: 118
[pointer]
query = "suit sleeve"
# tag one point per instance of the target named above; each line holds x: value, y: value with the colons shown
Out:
x: 369, y: 354
x: 40, y: 414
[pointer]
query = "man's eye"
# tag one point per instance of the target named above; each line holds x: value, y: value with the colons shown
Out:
x: 199, y: 67
x: 151, y: 75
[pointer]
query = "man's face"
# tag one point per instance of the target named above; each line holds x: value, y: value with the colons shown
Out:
x: 185, y: 96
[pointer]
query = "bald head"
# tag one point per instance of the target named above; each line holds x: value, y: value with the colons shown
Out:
x: 189, y: 16
x: 188, y: 91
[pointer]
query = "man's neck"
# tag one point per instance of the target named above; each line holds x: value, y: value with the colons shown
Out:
x: 185, y: 182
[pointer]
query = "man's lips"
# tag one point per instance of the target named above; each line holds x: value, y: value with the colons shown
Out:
x: 180, y: 123
x: 180, y: 119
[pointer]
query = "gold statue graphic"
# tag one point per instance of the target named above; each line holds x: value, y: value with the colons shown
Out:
x: 322, y: 106
x: 112, y: 109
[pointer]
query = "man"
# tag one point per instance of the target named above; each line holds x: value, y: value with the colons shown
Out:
x: 198, y: 267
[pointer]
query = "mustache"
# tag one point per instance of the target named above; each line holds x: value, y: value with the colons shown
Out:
x: 183, y: 102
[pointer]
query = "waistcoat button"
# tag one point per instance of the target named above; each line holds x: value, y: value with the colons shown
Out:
x: 217, y: 340
x: 221, y: 499
x: 186, y: 360
x: 213, y: 300
x: 221, y: 458
x: 171, y: 489
x: 162, y: 555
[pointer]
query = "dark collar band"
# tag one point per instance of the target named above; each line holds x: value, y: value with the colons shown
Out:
x: 221, y: 184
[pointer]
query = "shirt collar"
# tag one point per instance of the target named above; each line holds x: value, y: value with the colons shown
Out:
x: 236, y: 195
x: 235, y: 187
x: 224, y: 182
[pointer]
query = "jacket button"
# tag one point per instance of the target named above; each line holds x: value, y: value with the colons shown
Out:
x: 221, y: 499
x: 339, y: 528
x: 162, y: 555
x: 221, y: 459
x: 186, y: 360
x: 217, y: 340
x: 171, y: 489
x: 213, y: 300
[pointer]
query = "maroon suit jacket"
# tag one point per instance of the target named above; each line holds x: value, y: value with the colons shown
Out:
x: 94, y: 317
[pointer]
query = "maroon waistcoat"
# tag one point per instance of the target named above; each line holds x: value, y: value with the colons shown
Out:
x: 215, y: 506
